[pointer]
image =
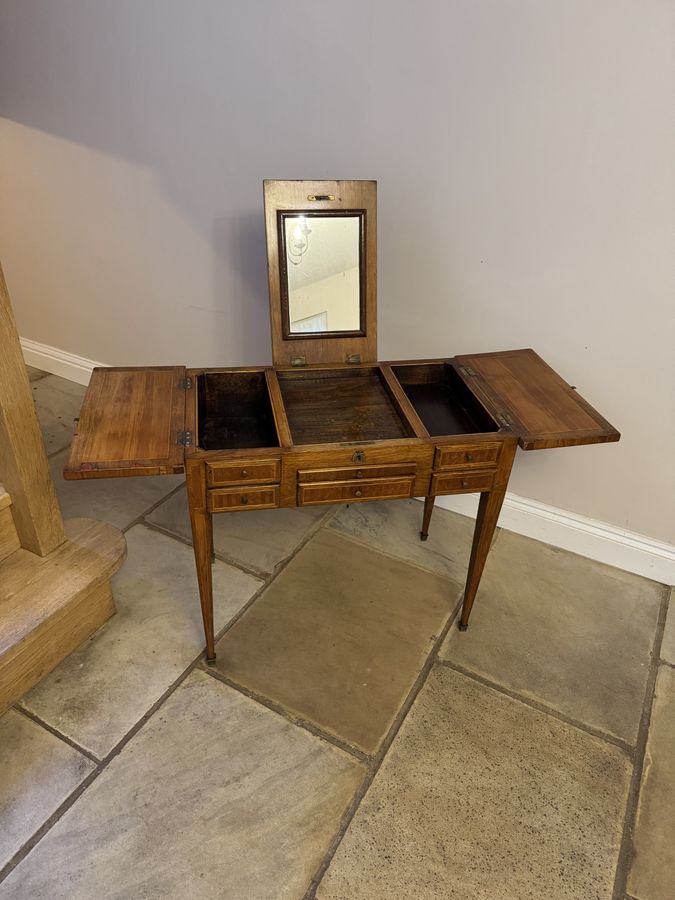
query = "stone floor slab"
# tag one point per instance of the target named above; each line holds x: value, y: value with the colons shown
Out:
x: 259, y: 540
x: 216, y: 796
x: 483, y: 797
x: 652, y: 876
x: 393, y: 527
x: 37, y: 773
x: 115, y: 500
x: 668, y: 645
x: 57, y: 402
x: 564, y: 630
x: 102, y: 689
x: 339, y: 636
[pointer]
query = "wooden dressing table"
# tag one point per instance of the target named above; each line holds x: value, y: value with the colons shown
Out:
x: 327, y: 423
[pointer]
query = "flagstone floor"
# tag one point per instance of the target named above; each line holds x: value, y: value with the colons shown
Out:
x: 350, y: 742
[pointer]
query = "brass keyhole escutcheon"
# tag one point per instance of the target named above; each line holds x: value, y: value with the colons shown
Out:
x: 358, y: 456
x: 244, y: 500
x: 244, y: 473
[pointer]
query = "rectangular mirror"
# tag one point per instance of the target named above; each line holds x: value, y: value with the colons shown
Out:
x: 323, y: 281
x: 322, y: 269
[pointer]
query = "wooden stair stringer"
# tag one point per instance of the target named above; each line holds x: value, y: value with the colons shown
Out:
x: 9, y: 539
x: 50, y: 604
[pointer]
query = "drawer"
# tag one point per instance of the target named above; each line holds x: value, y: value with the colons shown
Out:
x: 243, y: 471
x: 230, y: 499
x: 355, y: 491
x: 460, y: 482
x: 347, y: 473
x: 466, y: 456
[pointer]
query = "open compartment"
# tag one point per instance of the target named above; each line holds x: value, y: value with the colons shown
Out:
x: 234, y: 411
x: 442, y: 400
x: 340, y: 406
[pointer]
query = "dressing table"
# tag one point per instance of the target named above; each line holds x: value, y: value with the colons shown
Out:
x: 327, y: 423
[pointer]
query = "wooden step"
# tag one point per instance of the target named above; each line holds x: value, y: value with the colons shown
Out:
x: 9, y: 539
x: 50, y: 604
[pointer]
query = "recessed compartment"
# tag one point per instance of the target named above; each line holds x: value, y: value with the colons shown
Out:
x: 442, y: 400
x: 340, y: 406
x: 234, y: 411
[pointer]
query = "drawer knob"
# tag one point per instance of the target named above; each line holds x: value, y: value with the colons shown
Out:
x: 359, y: 473
x: 465, y: 484
x: 244, y: 500
x: 469, y: 457
x: 244, y: 473
x: 358, y: 493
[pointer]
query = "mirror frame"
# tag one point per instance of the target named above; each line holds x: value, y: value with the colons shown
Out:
x: 312, y: 198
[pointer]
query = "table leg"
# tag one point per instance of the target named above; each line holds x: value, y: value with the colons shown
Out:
x: 488, y: 512
x: 428, y: 509
x: 202, y: 543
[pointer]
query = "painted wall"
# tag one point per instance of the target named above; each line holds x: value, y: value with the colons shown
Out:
x: 525, y: 158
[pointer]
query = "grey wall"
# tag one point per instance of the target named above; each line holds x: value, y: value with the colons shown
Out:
x: 524, y: 153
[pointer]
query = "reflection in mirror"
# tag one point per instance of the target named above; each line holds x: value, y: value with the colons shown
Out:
x: 323, y: 272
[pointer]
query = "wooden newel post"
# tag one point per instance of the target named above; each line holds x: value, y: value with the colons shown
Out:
x: 24, y: 470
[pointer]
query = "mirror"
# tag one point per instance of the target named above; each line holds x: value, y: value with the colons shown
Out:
x: 322, y: 272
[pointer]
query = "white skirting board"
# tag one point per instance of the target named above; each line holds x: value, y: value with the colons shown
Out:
x: 58, y: 362
x: 567, y: 530
x: 595, y: 540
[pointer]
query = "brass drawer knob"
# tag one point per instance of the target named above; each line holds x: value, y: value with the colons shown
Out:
x: 465, y: 484
x: 244, y: 500
x: 358, y: 493
x: 244, y: 473
x: 359, y: 474
x: 469, y: 457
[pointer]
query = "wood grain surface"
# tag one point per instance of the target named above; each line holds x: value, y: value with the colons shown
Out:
x: 24, y: 470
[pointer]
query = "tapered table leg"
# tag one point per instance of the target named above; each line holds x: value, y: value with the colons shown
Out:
x: 202, y: 543
x: 488, y: 512
x: 489, y: 508
x: 428, y: 509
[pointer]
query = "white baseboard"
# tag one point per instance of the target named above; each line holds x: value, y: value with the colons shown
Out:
x: 58, y: 362
x: 595, y: 540
x: 567, y: 530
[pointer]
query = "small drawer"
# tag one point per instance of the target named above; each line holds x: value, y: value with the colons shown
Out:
x: 355, y: 491
x: 243, y: 471
x: 231, y: 499
x: 460, y: 482
x: 347, y: 473
x: 465, y: 456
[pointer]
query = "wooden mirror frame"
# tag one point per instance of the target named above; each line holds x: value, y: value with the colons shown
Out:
x: 316, y: 198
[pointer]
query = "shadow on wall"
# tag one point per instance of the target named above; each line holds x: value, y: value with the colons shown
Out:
x: 209, y: 99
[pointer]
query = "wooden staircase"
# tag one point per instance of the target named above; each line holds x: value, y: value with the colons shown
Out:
x: 9, y: 539
x: 50, y: 604
x: 54, y: 575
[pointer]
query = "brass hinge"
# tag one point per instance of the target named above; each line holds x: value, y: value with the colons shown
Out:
x: 298, y: 360
x: 185, y: 383
x: 467, y: 370
x: 184, y: 438
x: 505, y: 420
x: 353, y: 358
